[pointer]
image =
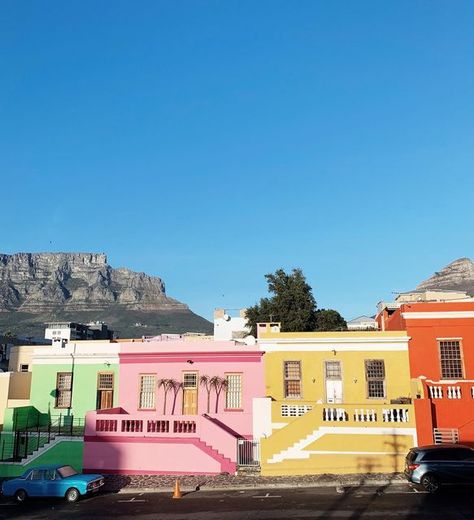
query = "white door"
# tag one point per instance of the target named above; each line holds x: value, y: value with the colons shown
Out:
x: 333, y: 378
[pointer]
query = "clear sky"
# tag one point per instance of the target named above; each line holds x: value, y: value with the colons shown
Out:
x: 211, y: 142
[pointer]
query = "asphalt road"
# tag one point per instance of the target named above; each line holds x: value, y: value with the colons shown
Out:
x: 395, y: 502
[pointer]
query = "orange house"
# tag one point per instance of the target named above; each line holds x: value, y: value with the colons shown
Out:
x: 441, y: 354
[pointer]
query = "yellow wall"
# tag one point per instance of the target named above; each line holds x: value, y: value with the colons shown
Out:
x: 312, y: 443
x: 397, y: 376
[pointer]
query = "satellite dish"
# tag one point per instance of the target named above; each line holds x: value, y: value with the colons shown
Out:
x: 249, y: 341
x: 226, y: 317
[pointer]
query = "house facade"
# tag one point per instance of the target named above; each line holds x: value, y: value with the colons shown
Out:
x: 184, y: 407
x: 441, y: 353
x: 336, y: 402
x: 46, y: 420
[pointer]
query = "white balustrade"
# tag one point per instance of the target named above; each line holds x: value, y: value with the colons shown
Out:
x: 335, y: 414
x: 395, y: 415
x: 454, y: 392
x: 365, y: 415
x: 436, y: 392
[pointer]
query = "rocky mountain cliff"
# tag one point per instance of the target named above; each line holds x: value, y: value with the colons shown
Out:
x: 40, y: 287
x: 458, y: 275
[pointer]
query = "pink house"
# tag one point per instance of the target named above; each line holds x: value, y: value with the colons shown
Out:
x: 185, y: 407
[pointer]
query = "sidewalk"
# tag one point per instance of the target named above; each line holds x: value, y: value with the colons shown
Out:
x: 165, y: 483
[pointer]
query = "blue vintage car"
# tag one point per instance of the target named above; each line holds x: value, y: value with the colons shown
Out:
x: 52, y: 481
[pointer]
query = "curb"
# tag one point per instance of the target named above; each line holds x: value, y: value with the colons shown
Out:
x: 288, y: 485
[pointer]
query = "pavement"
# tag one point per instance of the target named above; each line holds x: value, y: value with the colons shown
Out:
x: 394, y: 502
x: 224, y: 481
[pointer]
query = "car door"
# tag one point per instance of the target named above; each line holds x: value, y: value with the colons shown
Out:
x: 51, y: 483
x: 465, y: 464
x: 441, y: 463
x: 35, y: 484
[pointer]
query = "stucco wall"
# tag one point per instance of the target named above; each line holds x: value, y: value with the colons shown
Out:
x: 84, y: 389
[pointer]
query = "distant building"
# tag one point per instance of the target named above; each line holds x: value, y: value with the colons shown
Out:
x: 64, y: 331
x: 362, y: 323
x: 387, y: 309
x: 228, y: 326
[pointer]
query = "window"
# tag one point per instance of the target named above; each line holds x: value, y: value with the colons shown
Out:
x: 292, y: 376
x: 333, y: 370
x: 234, y: 391
x: 375, y: 376
x: 50, y: 474
x: 147, y: 392
x: 105, y: 390
x: 190, y: 380
x: 24, y: 368
x: 63, y: 389
x: 36, y: 474
x: 450, y: 359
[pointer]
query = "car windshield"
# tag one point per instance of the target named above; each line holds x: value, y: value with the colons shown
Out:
x: 67, y: 471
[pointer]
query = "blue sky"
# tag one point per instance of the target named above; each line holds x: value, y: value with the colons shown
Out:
x: 211, y: 142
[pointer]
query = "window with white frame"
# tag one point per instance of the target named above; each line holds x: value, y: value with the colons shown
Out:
x: 450, y: 359
x: 292, y: 378
x: 234, y: 391
x: 147, y: 392
x: 375, y: 376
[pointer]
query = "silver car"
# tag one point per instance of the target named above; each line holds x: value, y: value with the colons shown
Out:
x: 432, y: 466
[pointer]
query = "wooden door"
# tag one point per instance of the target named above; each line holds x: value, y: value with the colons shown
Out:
x: 106, y: 399
x: 105, y: 390
x: 190, y: 393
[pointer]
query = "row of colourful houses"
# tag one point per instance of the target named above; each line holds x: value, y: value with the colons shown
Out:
x: 292, y: 403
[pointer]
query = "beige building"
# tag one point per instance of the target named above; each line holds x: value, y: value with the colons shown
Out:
x: 14, y: 390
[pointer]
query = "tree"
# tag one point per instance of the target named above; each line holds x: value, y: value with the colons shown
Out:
x: 329, y: 319
x: 167, y: 384
x: 292, y: 303
x: 218, y: 383
x: 205, y: 381
x: 176, y: 386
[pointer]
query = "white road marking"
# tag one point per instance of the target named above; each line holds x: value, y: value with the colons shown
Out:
x: 267, y: 496
x: 134, y: 499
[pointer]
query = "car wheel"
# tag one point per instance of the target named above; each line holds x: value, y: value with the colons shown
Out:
x: 72, y: 495
x: 430, y: 483
x: 20, y: 496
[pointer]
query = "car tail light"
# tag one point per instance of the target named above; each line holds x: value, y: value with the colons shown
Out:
x: 412, y: 467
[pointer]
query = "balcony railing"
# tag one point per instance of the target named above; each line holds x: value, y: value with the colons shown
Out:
x: 367, y: 415
x: 134, y: 425
x: 450, y: 391
x: 355, y: 414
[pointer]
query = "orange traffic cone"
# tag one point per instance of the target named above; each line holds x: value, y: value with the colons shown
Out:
x: 177, y: 492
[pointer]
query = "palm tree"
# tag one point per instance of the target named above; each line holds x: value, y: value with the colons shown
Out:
x: 218, y: 383
x: 176, y: 386
x: 167, y: 385
x: 205, y: 381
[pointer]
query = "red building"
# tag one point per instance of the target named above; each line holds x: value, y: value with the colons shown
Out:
x: 441, y: 353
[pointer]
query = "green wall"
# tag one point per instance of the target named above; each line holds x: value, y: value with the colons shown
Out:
x: 84, y: 387
x: 65, y: 452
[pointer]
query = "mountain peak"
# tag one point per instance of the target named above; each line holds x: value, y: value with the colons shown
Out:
x: 457, y: 275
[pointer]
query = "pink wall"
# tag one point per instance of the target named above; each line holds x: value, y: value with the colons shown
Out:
x: 169, y: 359
x: 124, y: 456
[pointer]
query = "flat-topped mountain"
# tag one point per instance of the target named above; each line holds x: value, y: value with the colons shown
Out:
x: 39, y: 287
x: 458, y: 275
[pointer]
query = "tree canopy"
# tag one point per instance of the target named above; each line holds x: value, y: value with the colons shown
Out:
x: 292, y: 303
x: 329, y: 319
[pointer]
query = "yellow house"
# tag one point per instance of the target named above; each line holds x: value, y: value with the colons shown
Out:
x: 336, y: 402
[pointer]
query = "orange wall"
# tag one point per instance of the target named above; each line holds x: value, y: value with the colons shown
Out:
x: 424, y: 361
